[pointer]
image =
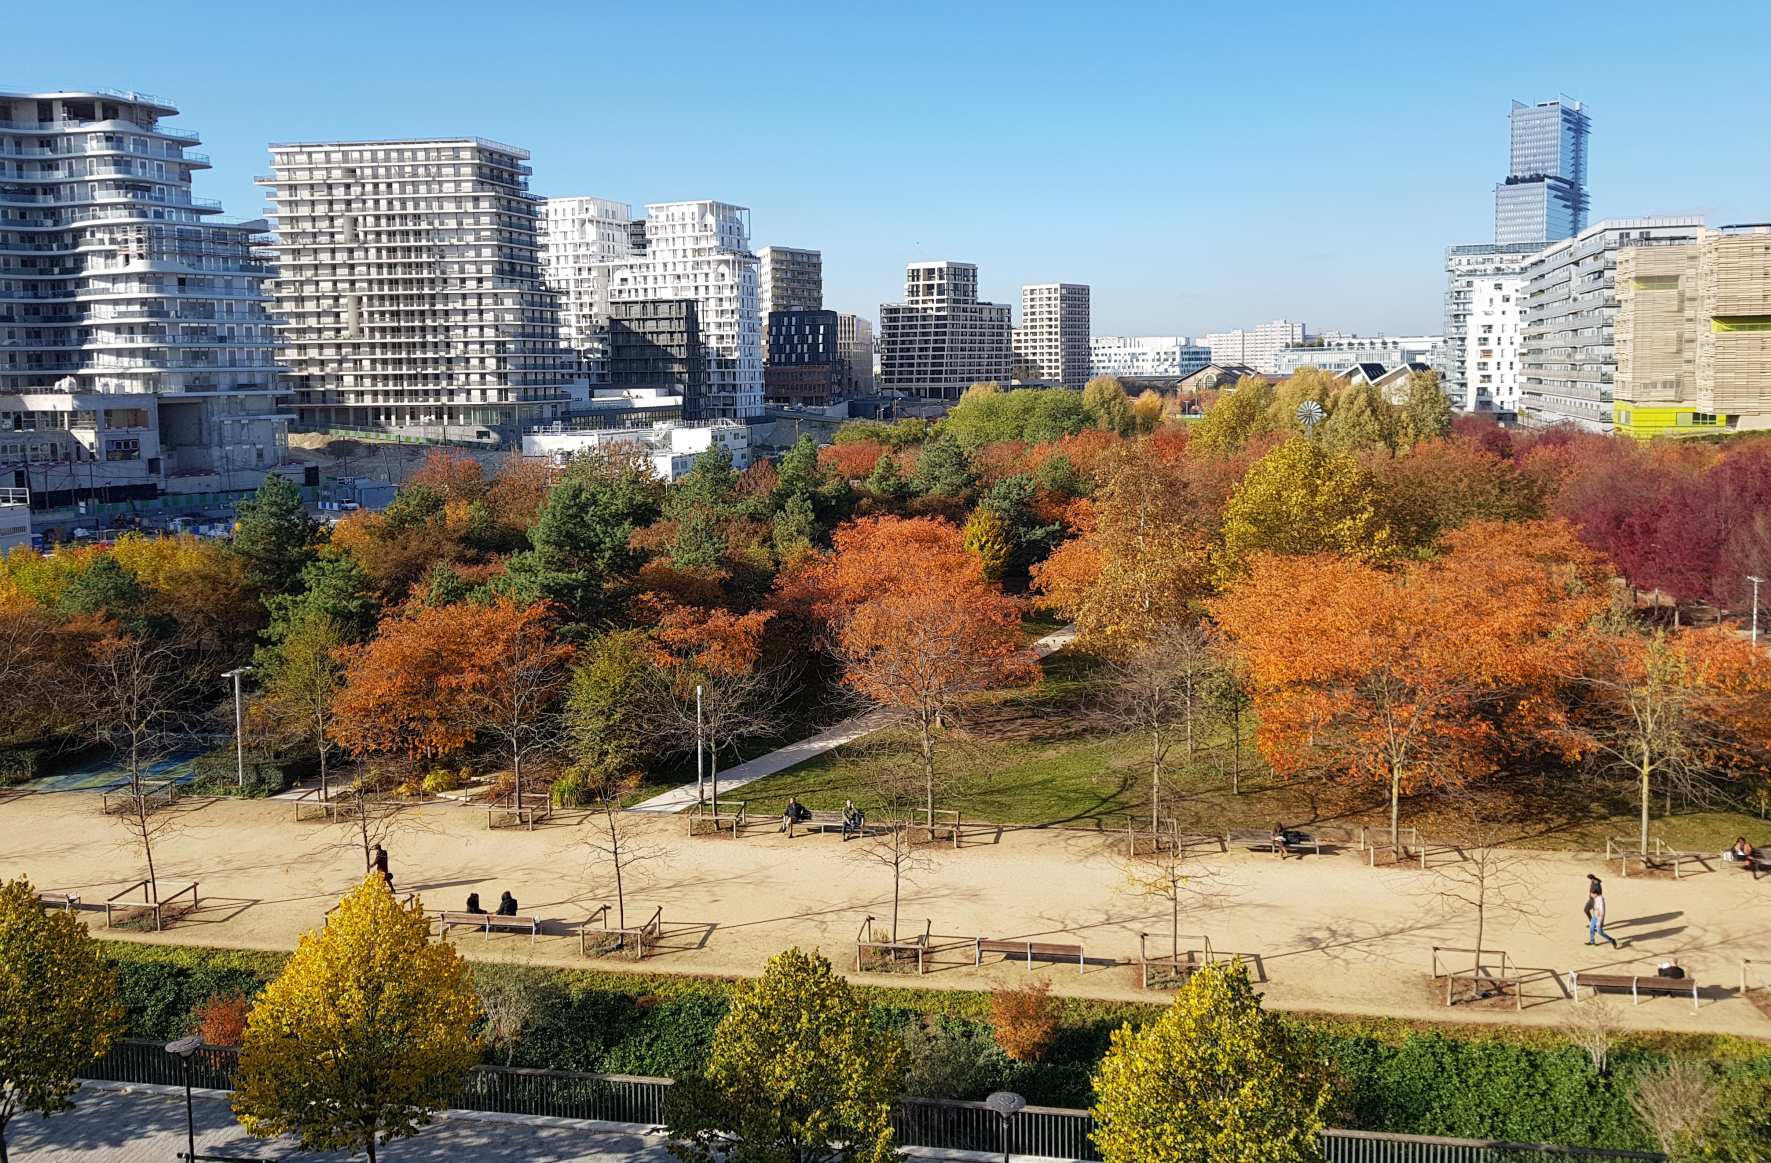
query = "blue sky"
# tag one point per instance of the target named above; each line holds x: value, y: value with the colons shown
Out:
x: 1201, y: 165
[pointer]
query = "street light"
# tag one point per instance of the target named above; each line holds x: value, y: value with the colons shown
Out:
x: 182, y: 1050
x: 1757, y: 582
x: 239, y: 727
x: 1007, y: 1104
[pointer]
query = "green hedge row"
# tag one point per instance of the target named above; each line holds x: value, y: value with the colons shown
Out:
x: 1515, y: 1084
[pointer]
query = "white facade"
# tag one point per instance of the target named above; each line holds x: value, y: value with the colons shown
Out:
x: 787, y: 277
x: 941, y: 340
x: 700, y: 251
x: 15, y: 518
x: 672, y: 449
x: 579, y: 238
x: 1145, y: 356
x: 1051, y: 344
x: 409, y: 285
x: 120, y: 294
x: 1467, y: 268
x: 1491, y: 348
x: 1337, y: 351
x: 1255, y: 347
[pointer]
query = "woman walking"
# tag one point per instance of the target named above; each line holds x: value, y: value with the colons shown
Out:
x: 1595, y: 911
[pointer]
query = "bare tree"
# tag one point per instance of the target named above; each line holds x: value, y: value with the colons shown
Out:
x: 1675, y: 1101
x: 513, y: 996
x: 1171, y: 875
x: 137, y: 694
x: 1229, y: 701
x: 718, y: 711
x: 1593, y: 1026
x: 890, y: 848
x: 1488, y: 880
x: 615, y: 835
x: 1158, y: 690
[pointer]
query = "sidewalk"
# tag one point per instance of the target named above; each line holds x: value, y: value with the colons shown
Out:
x: 827, y: 740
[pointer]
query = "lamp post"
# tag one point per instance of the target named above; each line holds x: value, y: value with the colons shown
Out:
x: 239, y: 724
x: 182, y: 1050
x: 700, y: 786
x: 1757, y: 582
x: 1007, y: 1104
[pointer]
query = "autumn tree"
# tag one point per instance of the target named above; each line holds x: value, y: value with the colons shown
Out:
x: 797, y: 1071
x: 615, y: 838
x: 367, y: 1032
x: 1215, y: 1079
x: 1302, y: 499
x: 402, y: 697
x: 1426, y: 409
x: 1239, y: 416
x: 1440, y: 485
x: 303, y: 680
x: 608, y: 729
x: 1397, y: 676
x: 1107, y: 405
x: 1143, y: 560
x: 58, y: 1005
x: 889, y: 847
x: 1158, y: 690
x: 510, y: 678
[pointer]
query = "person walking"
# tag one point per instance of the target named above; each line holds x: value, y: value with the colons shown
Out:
x: 379, y: 859
x: 1595, y: 911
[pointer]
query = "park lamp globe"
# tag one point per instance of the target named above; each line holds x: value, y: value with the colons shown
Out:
x: 184, y: 1047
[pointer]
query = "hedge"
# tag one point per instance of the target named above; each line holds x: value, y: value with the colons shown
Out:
x: 1511, y: 1083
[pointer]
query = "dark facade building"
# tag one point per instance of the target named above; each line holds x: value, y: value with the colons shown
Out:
x: 636, y: 236
x: 656, y: 343
x: 805, y: 364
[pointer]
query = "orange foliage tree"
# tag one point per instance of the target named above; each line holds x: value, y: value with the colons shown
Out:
x: 1142, y: 559
x: 1399, y: 676
x: 512, y: 676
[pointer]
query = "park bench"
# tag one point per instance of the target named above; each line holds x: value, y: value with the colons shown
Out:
x: 1759, y: 861
x: 1637, y: 984
x: 60, y: 900
x: 489, y: 921
x: 1014, y: 947
x: 1261, y: 840
x: 819, y: 821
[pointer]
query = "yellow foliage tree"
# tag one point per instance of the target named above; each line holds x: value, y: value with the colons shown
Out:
x: 1146, y: 411
x: 1301, y: 499
x: 1215, y: 1079
x: 1239, y: 415
x: 989, y: 539
x: 367, y: 1031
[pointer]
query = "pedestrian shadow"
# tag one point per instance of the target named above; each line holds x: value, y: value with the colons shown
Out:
x: 1655, y: 919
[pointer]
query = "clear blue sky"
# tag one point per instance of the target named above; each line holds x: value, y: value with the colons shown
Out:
x: 1200, y: 165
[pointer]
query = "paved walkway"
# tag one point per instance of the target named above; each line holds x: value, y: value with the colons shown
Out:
x: 827, y: 740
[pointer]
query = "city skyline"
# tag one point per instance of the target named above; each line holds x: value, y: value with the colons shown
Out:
x: 1195, y: 207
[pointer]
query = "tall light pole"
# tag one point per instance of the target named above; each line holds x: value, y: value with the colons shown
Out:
x: 1757, y: 582
x: 182, y: 1050
x: 700, y: 789
x: 239, y: 724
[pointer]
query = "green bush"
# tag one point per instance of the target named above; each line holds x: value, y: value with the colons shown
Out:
x: 21, y: 763
x: 441, y: 779
x: 568, y: 791
x: 218, y: 773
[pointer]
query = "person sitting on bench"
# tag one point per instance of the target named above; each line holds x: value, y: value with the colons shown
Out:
x: 1739, y: 852
x: 473, y: 903
x: 507, y: 905
x: 852, y: 819
x: 1671, y: 970
x: 794, y: 813
x: 1281, y: 841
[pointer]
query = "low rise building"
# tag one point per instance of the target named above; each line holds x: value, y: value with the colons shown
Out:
x: 671, y: 449
x: 1140, y: 357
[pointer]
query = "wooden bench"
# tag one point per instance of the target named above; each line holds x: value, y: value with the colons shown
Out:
x: 823, y: 822
x: 489, y: 921
x: 1011, y: 947
x: 1637, y: 984
x: 1262, y: 841
x: 60, y: 900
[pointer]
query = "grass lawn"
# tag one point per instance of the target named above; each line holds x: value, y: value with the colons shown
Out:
x: 1044, y: 757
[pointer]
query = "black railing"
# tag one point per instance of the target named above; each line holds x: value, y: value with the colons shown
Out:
x: 948, y: 1124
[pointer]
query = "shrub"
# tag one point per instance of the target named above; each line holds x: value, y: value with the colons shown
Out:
x: 568, y: 791
x: 441, y: 779
x: 1024, y: 1021
x: 946, y: 1059
x: 221, y: 1020
x: 18, y: 764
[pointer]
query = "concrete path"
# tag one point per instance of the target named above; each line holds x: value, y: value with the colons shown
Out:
x: 827, y: 740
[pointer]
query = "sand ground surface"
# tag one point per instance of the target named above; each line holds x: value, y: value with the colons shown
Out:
x: 1327, y: 932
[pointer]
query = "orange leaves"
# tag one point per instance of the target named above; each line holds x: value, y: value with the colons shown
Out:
x: 853, y: 460
x: 877, y: 553
x: 716, y: 640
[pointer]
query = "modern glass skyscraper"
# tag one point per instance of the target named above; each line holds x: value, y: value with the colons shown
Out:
x: 1544, y: 198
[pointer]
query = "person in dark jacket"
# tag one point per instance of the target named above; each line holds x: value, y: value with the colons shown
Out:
x: 379, y: 859
x: 507, y: 905
x: 473, y: 904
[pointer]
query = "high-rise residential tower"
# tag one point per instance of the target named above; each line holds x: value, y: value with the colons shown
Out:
x: 1051, y: 344
x: 1255, y: 347
x: 1484, y: 298
x: 1544, y: 196
x: 787, y: 277
x: 135, y: 353
x: 854, y: 342
x: 701, y: 251
x: 409, y: 285
x: 941, y: 340
x: 579, y: 238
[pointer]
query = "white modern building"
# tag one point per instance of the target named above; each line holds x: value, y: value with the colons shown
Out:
x: 1145, y: 356
x: 1255, y: 347
x: 854, y: 342
x: 579, y: 238
x: 1051, y: 344
x: 1479, y: 267
x: 671, y: 448
x: 409, y: 286
x: 788, y: 278
x: 941, y: 340
x: 700, y: 252
x: 136, y: 357
x: 15, y: 518
x: 1567, y: 355
x: 1337, y: 351
x: 1489, y: 361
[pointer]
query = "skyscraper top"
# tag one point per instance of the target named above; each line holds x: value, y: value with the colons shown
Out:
x: 1544, y: 197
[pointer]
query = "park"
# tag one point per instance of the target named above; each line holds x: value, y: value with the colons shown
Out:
x: 1377, y: 733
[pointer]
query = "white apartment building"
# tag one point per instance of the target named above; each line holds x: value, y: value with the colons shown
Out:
x: 941, y: 340
x: 136, y: 357
x: 579, y: 238
x: 15, y: 518
x: 787, y: 277
x: 672, y: 448
x: 1337, y: 351
x: 701, y: 251
x: 1466, y: 269
x: 1051, y: 344
x: 1567, y: 356
x: 1490, y: 358
x: 1145, y: 356
x: 854, y: 342
x: 409, y: 286
x: 1255, y: 347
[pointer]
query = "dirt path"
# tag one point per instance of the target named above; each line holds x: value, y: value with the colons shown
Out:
x: 1331, y: 933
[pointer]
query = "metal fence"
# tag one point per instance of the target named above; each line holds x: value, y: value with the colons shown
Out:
x: 948, y: 1124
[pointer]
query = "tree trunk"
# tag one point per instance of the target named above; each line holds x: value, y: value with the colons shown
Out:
x: 1174, y: 923
x: 615, y: 857
x: 1236, y: 770
x: 897, y: 877
x: 1155, y: 780
x: 3, y: 1156
x: 1395, y: 813
x: 1646, y: 770
x: 369, y: 1146
x: 320, y: 740
x: 713, y: 779
x: 928, y: 770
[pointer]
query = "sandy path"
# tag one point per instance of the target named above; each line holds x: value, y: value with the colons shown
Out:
x: 1332, y: 934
